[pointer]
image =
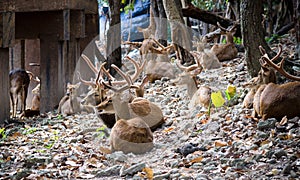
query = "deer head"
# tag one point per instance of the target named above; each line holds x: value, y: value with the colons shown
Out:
x: 127, y: 107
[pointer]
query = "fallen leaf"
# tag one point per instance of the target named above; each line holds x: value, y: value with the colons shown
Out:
x: 148, y: 173
x: 283, y: 121
x: 220, y: 143
x: 105, y: 150
x: 217, y: 99
x: 169, y: 129
x: 197, y: 159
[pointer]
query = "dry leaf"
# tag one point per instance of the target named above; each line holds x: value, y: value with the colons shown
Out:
x: 148, y: 173
x: 169, y: 129
x: 197, y: 159
x: 105, y: 150
x: 220, y: 143
x: 283, y: 121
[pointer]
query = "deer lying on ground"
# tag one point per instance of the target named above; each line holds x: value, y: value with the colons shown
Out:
x: 206, y: 57
x: 19, y: 82
x: 197, y: 95
x: 226, y: 51
x: 265, y: 75
x: 273, y: 100
x: 131, y: 136
x: 156, y: 55
x: 70, y: 103
x: 127, y: 107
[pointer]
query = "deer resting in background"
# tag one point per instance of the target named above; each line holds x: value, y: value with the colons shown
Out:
x: 277, y: 101
x: 197, y: 95
x: 19, y: 82
x: 226, y: 51
x: 206, y: 57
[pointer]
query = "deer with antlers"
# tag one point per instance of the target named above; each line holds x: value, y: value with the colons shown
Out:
x: 274, y: 100
x: 226, y: 51
x: 198, y: 95
x: 127, y: 107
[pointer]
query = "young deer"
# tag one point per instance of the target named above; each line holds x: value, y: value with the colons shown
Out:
x: 127, y: 107
x: 197, y: 95
x: 226, y: 51
x: 19, y: 82
x: 70, y: 103
x: 273, y: 100
x: 206, y: 57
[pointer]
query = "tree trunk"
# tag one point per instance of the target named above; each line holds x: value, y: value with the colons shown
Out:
x: 252, y: 33
x: 179, y: 32
x: 296, y: 5
x: 113, y: 48
x: 161, y: 33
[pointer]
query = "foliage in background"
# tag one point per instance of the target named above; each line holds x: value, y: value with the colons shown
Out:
x: 210, y: 5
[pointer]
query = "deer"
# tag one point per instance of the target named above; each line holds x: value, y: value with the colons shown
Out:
x: 265, y: 75
x: 19, y: 83
x: 197, y: 95
x: 207, y: 57
x: 35, y: 102
x: 277, y: 100
x: 70, y: 103
x: 127, y: 107
x: 226, y: 51
x: 131, y: 136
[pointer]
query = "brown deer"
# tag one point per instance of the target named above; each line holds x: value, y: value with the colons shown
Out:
x: 226, y: 51
x: 197, y: 95
x: 127, y: 107
x: 19, y: 82
x: 70, y: 103
x: 131, y: 136
x: 265, y: 75
x: 206, y: 57
x: 273, y: 100
x: 35, y: 102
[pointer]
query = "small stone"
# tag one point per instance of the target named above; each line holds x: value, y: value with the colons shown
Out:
x: 114, y: 170
x: 279, y: 153
x: 269, y: 123
x: 161, y: 176
x: 117, y: 156
x: 133, y: 169
x: 174, y: 176
x: 287, y: 169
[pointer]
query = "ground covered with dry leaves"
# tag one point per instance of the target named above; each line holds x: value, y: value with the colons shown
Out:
x: 228, y: 144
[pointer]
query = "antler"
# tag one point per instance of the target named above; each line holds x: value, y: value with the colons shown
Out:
x: 265, y: 60
x: 90, y: 64
x: 195, y: 67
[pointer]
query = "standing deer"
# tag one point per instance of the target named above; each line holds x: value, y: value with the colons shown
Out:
x: 19, y: 82
x: 226, y: 51
x: 273, y: 100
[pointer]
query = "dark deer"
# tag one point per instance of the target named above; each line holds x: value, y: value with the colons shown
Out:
x: 19, y: 82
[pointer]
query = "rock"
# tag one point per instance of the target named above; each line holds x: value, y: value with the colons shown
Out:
x: 114, y: 170
x: 267, y: 124
x: 117, y: 156
x: 279, y: 153
x: 133, y: 169
x: 286, y: 169
x: 161, y: 176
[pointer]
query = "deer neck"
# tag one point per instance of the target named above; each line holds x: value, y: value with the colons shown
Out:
x: 121, y: 106
x: 192, y: 87
x: 229, y: 38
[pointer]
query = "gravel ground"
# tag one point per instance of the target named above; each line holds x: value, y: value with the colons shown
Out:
x: 228, y: 144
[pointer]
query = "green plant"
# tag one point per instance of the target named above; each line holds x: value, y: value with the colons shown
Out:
x: 2, y: 133
x: 101, y: 131
x: 29, y: 131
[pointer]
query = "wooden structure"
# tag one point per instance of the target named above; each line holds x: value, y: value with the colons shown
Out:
x: 63, y: 27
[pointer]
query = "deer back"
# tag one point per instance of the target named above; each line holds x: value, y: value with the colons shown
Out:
x: 131, y: 136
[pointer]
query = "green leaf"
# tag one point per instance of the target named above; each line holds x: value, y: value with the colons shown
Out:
x: 230, y: 91
x: 217, y: 99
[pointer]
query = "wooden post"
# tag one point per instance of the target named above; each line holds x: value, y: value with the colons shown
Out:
x: 7, y: 32
x: 4, y: 84
x: 49, y: 73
